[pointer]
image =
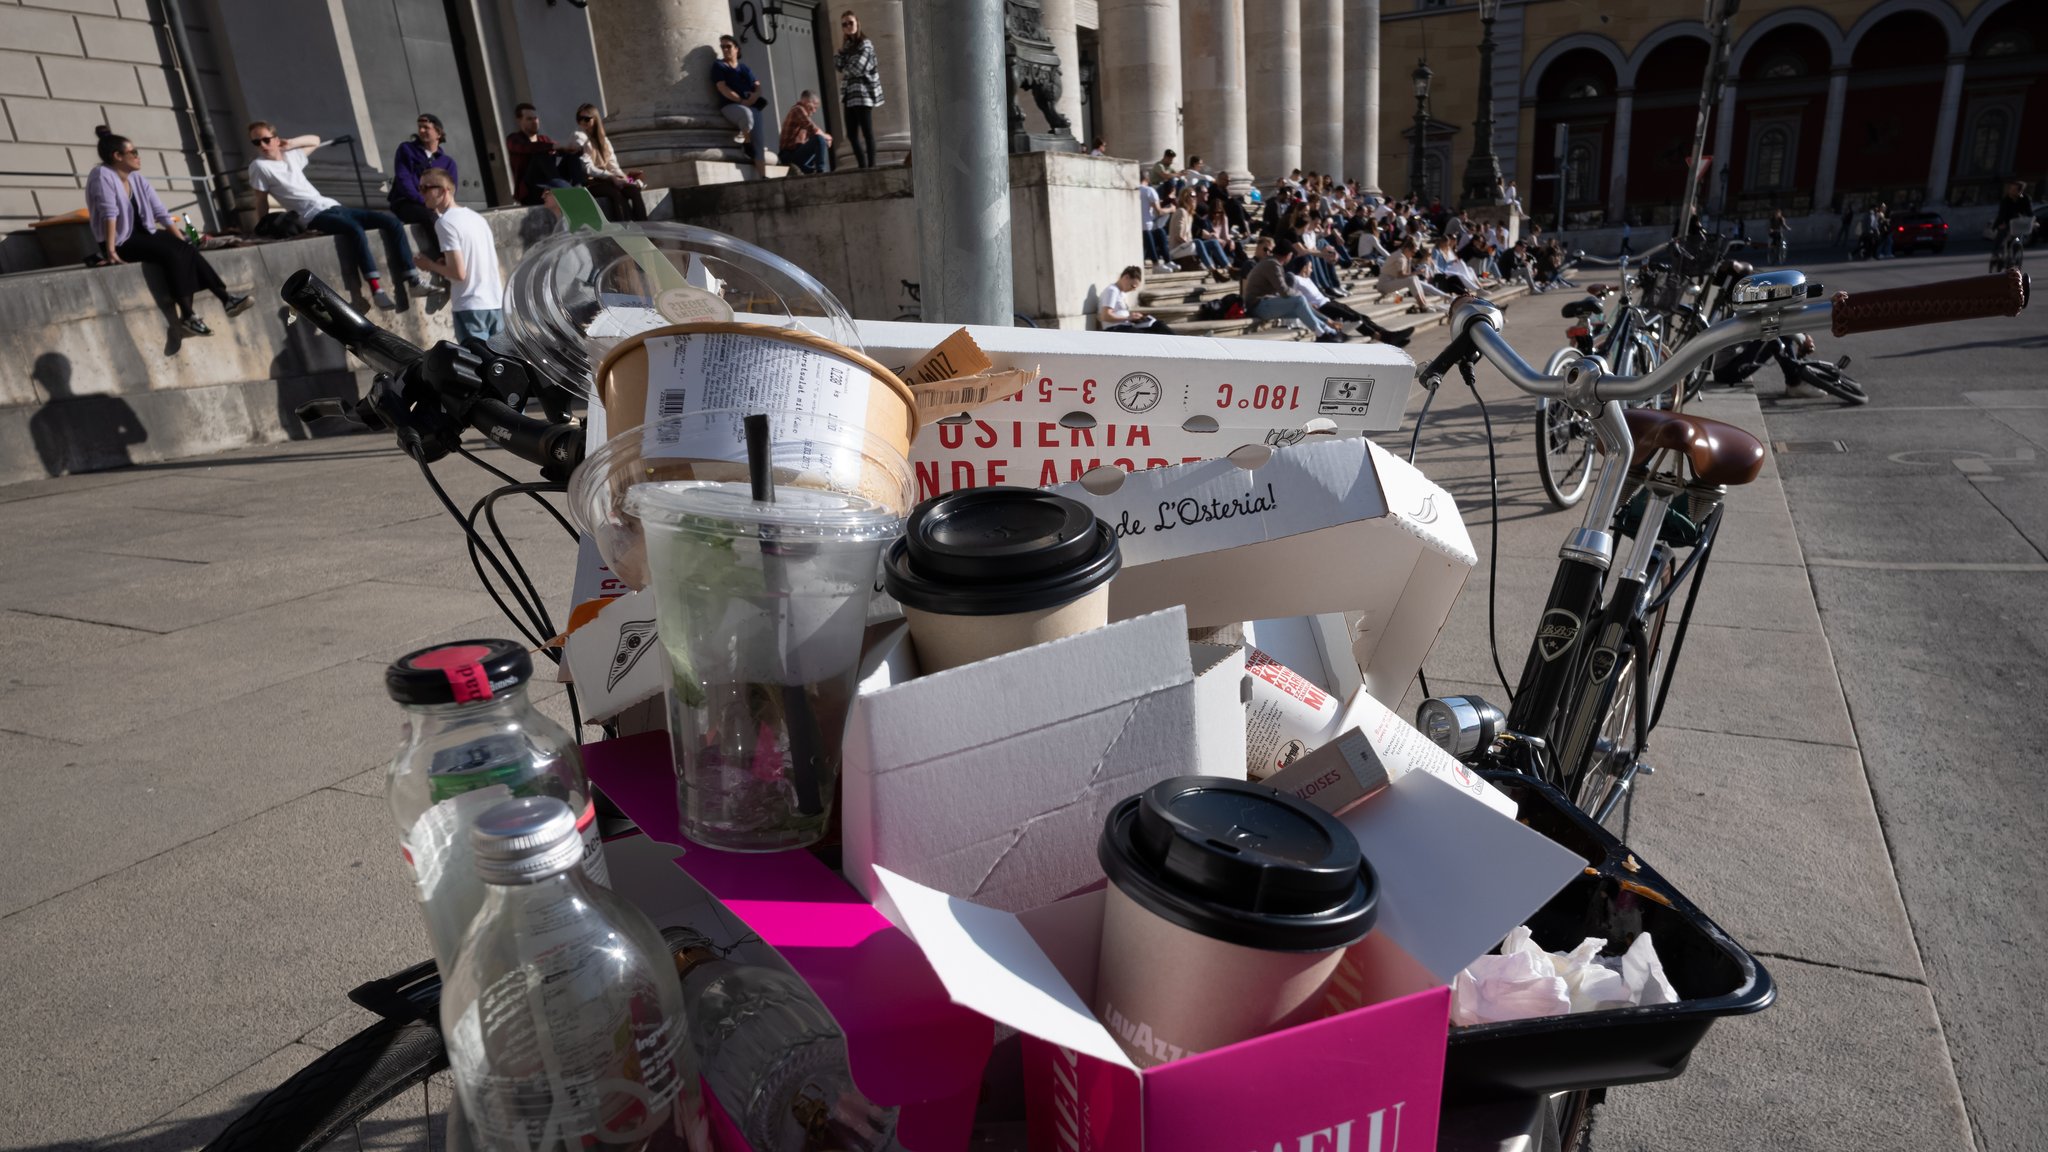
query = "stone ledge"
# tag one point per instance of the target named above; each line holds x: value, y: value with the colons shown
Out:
x: 106, y: 379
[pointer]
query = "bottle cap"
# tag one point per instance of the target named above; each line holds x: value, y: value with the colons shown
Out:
x: 459, y: 673
x: 1241, y: 862
x: 999, y: 550
x: 525, y: 840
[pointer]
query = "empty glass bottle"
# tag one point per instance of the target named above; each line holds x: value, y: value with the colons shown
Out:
x: 773, y: 1056
x: 472, y: 737
x: 563, y: 1014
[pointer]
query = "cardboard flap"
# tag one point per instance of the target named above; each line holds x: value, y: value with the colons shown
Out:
x: 981, y: 703
x: 1166, y: 514
x: 1420, y: 506
x: 990, y: 964
x: 1455, y: 876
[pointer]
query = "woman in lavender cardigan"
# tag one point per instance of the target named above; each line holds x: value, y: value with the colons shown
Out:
x: 133, y: 227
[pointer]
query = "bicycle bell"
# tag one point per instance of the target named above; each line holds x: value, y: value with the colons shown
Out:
x: 1464, y: 726
x: 1773, y: 289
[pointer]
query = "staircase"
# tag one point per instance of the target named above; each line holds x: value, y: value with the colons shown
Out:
x: 1174, y: 297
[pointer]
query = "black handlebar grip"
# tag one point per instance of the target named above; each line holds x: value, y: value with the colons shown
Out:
x: 556, y: 448
x: 310, y: 297
x: 1970, y: 298
x: 1454, y: 353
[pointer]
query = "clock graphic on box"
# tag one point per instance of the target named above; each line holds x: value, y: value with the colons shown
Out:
x: 1138, y: 392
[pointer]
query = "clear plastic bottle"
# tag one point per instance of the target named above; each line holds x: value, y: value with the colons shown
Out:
x: 563, y: 1014
x: 471, y: 737
x: 773, y: 1056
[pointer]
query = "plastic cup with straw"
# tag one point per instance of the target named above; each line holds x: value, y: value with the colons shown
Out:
x: 761, y: 597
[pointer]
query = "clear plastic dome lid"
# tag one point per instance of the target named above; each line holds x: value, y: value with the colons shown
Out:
x: 578, y: 294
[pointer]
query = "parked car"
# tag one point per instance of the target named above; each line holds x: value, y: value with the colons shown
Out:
x: 1911, y: 230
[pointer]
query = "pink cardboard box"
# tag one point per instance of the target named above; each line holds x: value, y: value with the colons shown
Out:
x: 1455, y: 876
x: 908, y: 1043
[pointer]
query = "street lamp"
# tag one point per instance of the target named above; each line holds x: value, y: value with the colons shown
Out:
x: 1422, y: 76
x: 1482, y: 172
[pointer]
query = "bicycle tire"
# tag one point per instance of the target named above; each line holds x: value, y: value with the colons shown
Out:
x: 1832, y: 380
x: 329, y: 1097
x: 1557, y: 424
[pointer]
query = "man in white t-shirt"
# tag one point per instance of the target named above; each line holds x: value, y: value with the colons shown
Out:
x: 469, y: 260
x: 279, y: 170
x: 1152, y: 228
x: 1113, y: 306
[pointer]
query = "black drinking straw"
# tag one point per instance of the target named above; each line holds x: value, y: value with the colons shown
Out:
x: 803, y: 725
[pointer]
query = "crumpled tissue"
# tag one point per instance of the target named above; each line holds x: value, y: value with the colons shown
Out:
x: 1523, y: 981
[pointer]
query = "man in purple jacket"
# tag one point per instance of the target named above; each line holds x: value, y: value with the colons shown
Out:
x: 415, y: 158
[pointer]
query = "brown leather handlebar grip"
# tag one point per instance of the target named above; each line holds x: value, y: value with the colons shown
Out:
x: 1971, y: 298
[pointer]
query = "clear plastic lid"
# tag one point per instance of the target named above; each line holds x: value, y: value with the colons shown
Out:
x: 576, y: 295
x: 729, y: 509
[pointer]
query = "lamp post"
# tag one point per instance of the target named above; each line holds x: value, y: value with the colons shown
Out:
x: 1421, y: 76
x: 1482, y: 172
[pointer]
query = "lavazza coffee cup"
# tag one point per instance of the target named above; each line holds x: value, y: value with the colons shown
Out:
x: 1229, y: 907
x: 986, y: 571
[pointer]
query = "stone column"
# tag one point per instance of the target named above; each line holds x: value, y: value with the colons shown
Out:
x: 1617, y: 179
x: 1140, y: 77
x: 1322, y: 87
x: 1945, y: 131
x: 655, y: 57
x: 1212, y: 52
x: 1362, y: 92
x: 882, y: 22
x: 1724, y: 152
x: 1059, y: 28
x: 1830, y: 141
x: 1272, y: 44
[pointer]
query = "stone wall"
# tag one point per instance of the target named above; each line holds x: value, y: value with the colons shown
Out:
x: 1073, y: 227
x: 94, y: 374
x: 69, y: 65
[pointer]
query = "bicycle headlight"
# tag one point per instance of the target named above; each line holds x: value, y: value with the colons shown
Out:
x: 1464, y: 726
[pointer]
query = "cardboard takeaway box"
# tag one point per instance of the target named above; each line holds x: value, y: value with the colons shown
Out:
x: 1328, y: 525
x: 1455, y: 876
x: 1138, y: 401
x: 992, y: 780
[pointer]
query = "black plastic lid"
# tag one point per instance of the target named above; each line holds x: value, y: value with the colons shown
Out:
x: 462, y: 672
x: 994, y: 551
x: 1241, y: 862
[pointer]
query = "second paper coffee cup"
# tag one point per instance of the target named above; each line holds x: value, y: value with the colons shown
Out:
x: 986, y: 571
x: 1230, y: 905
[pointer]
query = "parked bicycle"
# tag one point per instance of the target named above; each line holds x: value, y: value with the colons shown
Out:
x: 1598, y: 670
x: 1795, y: 358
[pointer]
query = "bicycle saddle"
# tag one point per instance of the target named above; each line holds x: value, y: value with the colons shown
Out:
x: 1719, y: 453
x: 1577, y: 308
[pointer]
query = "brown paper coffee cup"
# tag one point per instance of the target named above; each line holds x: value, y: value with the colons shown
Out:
x: 949, y: 641
x: 1165, y: 992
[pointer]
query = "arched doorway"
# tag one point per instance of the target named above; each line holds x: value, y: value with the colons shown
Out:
x: 2002, y: 132
x: 1666, y: 101
x: 1780, y: 117
x: 1576, y: 93
x: 1892, y: 114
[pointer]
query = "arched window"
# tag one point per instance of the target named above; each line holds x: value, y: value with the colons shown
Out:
x: 1579, y: 175
x: 1988, y: 135
x: 1773, y: 156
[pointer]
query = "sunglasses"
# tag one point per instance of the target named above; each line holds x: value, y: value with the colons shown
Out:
x: 585, y: 119
x: 259, y: 141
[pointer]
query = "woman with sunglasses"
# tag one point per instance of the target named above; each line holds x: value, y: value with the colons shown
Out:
x: 415, y: 158
x: 134, y: 227
x: 860, y: 87
x: 618, y: 189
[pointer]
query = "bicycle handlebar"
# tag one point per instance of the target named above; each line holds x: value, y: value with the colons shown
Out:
x: 1586, y: 384
x: 310, y: 297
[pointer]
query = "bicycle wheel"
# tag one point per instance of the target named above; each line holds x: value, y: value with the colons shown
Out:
x: 1564, y: 443
x: 330, y: 1098
x: 1833, y: 380
x: 1616, y: 750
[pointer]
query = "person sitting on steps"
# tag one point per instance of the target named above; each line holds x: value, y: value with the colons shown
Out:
x: 279, y: 170
x: 538, y: 163
x: 1114, y: 309
x: 1269, y: 294
x: 743, y: 102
